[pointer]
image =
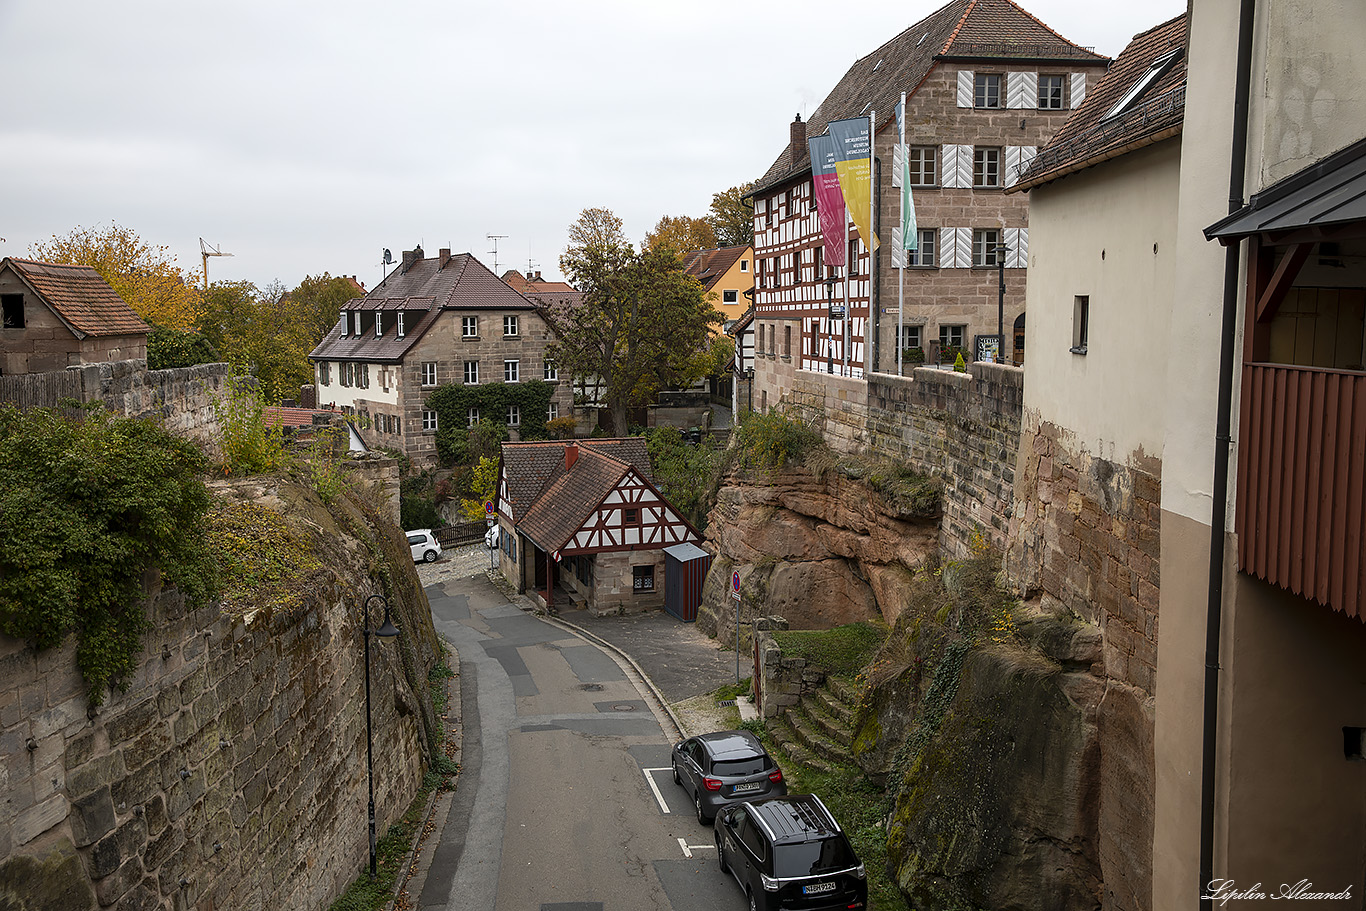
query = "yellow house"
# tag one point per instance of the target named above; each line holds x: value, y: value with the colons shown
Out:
x: 727, y: 275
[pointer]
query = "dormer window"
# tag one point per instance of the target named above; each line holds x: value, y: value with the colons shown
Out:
x: 345, y: 322
x: 379, y: 324
x: 400, y: 324
x: 1156, y: 71
x: 356, y: 314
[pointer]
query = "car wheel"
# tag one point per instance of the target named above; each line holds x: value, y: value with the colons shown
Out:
x: 429, y: 557
x: 702, y: 816
x: 678, y: 779
x: 720, y: 855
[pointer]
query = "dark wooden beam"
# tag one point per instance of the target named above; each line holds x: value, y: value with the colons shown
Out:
x: 1274, y: 293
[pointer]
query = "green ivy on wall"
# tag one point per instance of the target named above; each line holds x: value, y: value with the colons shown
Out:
x: 452, y: 403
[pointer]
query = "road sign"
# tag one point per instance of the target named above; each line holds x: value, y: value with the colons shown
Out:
x: 735, y: 582
x: 488, y: 507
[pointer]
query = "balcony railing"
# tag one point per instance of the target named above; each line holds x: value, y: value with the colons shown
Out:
x: 1302, y: 482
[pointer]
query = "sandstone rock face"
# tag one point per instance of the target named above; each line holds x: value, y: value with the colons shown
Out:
x: 819, y: 550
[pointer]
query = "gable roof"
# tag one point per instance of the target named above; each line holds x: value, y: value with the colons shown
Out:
x: 959, y: 30
x: 80, y: 298
x: 572, y: 498
x: 707, y: 266
x: 1090, y: 136
x: 423, y: 291
x: 530, y: 469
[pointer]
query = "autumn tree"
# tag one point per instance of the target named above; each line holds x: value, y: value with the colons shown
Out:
x: 261, y: 332
x: 731, y: 218
x: 682, y: 234
x: 642, y: 320
x: 146, y: 277
x: 318, y: 300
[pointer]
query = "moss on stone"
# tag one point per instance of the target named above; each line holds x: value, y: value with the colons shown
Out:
x: 54, y: 880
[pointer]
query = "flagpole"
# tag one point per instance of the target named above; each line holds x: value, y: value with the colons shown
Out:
x: 848, y: 265
x: 901, y: 276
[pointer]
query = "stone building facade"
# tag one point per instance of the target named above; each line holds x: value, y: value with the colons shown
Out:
x: 429, y: 323
x: 986, y: 85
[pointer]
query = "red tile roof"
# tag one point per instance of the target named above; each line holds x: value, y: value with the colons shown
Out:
x: 78, y: 295
x: 1088, y: 137
x: 295, y: 417
x: 961, y: 29
x: 707, y: 266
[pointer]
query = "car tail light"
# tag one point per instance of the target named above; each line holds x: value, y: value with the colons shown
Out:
x: 776, y: 775
x: 712, y: 784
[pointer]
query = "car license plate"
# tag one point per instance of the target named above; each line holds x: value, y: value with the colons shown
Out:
x: 748, y: 786
x: 818, y: 888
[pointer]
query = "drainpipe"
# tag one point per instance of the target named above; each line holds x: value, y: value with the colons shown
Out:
x: 1224, y: 417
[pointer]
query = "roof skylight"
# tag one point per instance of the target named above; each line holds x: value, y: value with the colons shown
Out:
x: 1156, y: 71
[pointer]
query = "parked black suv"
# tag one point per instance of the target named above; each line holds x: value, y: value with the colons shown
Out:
x: 788, y: 852
x: 723, y: 768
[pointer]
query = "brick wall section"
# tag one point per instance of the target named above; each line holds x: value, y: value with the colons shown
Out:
x: 230, y: 774
x: 961, y: 427
x: 182, y: 398
x: 1085, y: 535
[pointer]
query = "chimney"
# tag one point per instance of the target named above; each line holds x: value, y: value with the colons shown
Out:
x: 797, y: 134
x: 410, y: 257
x: 538, y: 276
x: 571, y: 455
x: 442, y: 258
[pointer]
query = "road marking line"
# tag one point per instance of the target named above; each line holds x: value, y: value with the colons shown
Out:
x: 664, y: 807
x: 688, y: 849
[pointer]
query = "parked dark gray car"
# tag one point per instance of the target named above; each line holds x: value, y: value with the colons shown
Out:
x: 789, y: 853
x: 725, y: 767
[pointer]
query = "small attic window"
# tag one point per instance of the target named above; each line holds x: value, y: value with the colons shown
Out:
x: 1156, y: 71
x: 12, y: 311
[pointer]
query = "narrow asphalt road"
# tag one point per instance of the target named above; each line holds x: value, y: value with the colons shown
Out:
x: 565, y: 800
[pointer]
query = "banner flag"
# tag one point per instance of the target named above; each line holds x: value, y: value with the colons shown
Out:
x: 854, y: 165
x: 829, y: 200
x: 909, y: 232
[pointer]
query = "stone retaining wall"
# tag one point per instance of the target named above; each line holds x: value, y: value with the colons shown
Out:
x: 230, y: 774
x: 782, y: 681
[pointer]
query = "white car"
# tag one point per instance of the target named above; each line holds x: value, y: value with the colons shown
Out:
x: 423, y: 543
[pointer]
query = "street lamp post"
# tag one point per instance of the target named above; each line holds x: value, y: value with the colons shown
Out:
x: 387, y: 630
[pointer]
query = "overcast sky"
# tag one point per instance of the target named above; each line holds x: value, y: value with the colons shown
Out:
x: 305, y: 137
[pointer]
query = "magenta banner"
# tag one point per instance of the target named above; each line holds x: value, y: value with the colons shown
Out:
x: 825, y: 183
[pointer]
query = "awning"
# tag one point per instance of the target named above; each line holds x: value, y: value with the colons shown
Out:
x: 1324, y: 195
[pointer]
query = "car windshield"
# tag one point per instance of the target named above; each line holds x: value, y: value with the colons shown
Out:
x: 813, y: 857
x: 750, y: 765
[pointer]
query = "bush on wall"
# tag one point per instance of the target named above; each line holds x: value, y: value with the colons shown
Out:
x: 452, y: 403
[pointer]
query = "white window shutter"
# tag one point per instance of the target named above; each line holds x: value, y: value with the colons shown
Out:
x: 898, y: 249
x: 898, y: 163
x: 957, y: 166
x: 1017, y: 160
x: 966, y: 83
x: 1078, y: 89
x: 946, y: 240
x: 1017, y: 239
x: 955, y: 250
x: 1022, y: 90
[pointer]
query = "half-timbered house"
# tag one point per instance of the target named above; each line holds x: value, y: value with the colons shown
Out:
x: 586, y: 518
x: 986, y: 84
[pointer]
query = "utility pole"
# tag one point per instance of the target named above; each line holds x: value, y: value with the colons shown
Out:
x: 205, y: 251
x: 495, y: 238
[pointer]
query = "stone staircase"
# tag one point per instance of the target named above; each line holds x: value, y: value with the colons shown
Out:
x: 818, y: 730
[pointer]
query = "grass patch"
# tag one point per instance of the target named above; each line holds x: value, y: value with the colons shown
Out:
x: 392, y: 850
x: 843, y: 651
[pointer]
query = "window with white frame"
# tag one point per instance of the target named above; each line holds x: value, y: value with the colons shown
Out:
x: 509, y: 325
x: 852, y: 259
x: 356, y: 315
x: 951, y: 336
x: 1081, y: 322
x: 379, y: 324
x: 744, y: 265
x: 469, y: 327
x: 511, y: 371
x: 924, y: 252
x: 514, y: 415
x: 345, y: 323
x: 471, y: 373
x: 912, y: 337
x: 642, y: 578
x: 552, y: 411
x: 730, y: 296
x: 364, y: 379
x: 1050, y: 92
x: 428, y: 421
x: 400, y: 324
x: 552, y: 373
x: 920, y: 164
x: 986, y: 90
x: 986, y: 167
x: 429, y: 373
x: 471, y: 417
x: 984, y: 244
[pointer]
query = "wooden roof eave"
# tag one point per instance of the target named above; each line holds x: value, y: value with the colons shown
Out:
x: 1091, y: 161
